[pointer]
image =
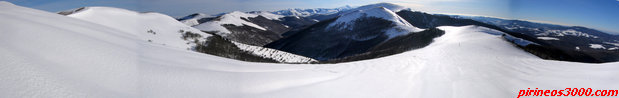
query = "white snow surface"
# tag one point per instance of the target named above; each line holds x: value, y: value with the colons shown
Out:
x: 596, y: 46
x: 48, y: 55
x: 547, y: 38
x: 614, y: 44
x: 274, y: 54
x: 347, y: 20
x: 233, y: 18
x: 166, y: 29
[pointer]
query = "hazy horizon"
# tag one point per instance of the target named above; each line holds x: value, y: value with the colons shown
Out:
x: 596, y: 14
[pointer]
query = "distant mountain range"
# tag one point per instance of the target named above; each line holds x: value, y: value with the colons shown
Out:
x: 373, y: 51
x: 346, y: 32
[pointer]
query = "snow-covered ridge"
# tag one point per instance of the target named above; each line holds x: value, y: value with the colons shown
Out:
x: 274, y: 54
x: 267, y: 15
x: 234, y: 18
x: 192, y: 20
x: 48, y: 55
x: 195, y: 16
x: 152, y: 27
x: 346, y: 20
x: 162, y: 29
x: 45, y: 54
x: 390, y: 6
x: 310, y: 12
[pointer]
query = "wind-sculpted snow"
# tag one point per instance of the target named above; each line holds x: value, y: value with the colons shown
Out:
x: 48, y: 55
x: 45, y: 54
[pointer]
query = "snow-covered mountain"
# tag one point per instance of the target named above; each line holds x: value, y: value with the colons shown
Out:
x: 260, y: 27
x: 195, y: 19
x: 310, y: 12
x: 252, y: 29
x: 578, y: 41
x: 49, y: 55
x: 152, y: 27
x: 392, y: 7
x: 162, y: 29
x: 555, y: 48
x: 349, y: 19
x: 570, y: 34
x: 351, y: 33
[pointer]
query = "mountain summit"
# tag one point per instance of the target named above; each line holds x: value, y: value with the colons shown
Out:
x: 351, y: 33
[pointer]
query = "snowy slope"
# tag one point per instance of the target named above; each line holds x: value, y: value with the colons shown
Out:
x: 247, y: 28
x: 233, y: 18
x: 154, y: 27
x: 45, y: 54
x: 485, y: 67
x: 401, y: 25
x: 274, y: 54
x: 66, y: 57
x: 167, y: 30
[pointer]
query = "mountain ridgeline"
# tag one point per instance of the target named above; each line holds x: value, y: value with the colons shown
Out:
x: 372, y: 31
x: 563, y: 49
x: 351, y: 34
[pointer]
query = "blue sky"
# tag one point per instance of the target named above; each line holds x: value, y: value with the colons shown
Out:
x: 598, y: 14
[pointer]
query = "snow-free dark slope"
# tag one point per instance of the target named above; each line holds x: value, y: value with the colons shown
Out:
x: 296, y: 23
x: 395, y: 45
x: 563, y: 49
x: 350, y: 34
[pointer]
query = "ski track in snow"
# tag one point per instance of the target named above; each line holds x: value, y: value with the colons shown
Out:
x: 67, y: 57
